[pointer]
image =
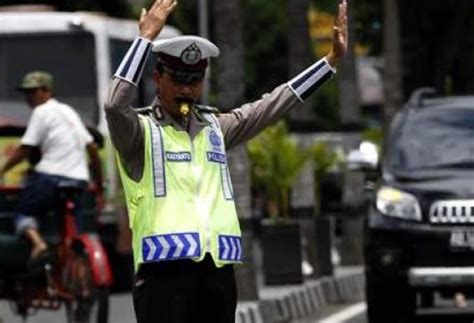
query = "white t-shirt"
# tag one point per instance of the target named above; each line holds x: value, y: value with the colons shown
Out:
x: 58, y: 131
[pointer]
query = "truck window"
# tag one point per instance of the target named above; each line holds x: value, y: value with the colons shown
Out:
x: 146, y: 87
x: 69, y: 56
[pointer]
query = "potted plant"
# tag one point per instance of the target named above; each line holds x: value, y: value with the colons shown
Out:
x: 276, y: 161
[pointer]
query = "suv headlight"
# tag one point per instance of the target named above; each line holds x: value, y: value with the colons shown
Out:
x: 399, y: 204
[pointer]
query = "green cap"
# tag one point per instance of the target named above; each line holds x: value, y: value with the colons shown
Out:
x: 36, y: 79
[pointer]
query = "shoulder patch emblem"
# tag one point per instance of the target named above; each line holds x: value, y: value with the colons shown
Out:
x: 215, y: 140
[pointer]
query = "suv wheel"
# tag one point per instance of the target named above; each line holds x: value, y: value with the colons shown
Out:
x: 426, y: 299
x: 391, y: 301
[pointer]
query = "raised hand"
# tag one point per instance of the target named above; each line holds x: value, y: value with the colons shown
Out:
x: 339, y: 38
x: 152, y: 21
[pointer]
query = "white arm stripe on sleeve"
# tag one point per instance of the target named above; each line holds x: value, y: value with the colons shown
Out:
x: 132, y: 65
x: 308, y: 81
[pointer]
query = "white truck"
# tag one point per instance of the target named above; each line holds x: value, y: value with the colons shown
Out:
x: 82, y: 50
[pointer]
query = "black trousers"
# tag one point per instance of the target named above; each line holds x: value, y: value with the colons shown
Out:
x: 184, y: 291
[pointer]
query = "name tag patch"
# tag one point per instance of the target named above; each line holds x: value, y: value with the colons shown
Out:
x: 183, y: 156
x: 216, y: 157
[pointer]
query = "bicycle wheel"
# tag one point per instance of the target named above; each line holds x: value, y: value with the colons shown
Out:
x: 90, y: 304
x: 102, y: 305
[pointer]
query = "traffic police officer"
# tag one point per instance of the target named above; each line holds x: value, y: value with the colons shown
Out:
x: 172, y: 161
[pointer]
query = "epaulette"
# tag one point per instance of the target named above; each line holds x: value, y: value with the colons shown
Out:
x: 144, y: 110
x: 206, y: 109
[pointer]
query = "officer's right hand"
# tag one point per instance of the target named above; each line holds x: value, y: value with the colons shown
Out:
x: 152, y: 21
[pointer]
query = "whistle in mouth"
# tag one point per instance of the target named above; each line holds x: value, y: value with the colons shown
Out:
x: 184, y: 109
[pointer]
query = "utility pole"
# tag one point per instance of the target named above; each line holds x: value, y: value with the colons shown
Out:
x: 204, y: 32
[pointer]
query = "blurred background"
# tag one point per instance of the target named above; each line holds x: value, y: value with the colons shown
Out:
x: 395, y: 47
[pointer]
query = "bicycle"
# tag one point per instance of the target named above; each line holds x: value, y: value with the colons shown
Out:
x: 78, y: 275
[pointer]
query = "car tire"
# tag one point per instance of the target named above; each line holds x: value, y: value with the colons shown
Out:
x: 389, y: 301
x: 426, y: 299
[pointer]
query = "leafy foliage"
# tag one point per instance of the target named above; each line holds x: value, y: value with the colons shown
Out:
x: 265, y: 39
x: 326, y: 105
x: 374, y: 135
x: 276, y: 161
x: 368, y: 20
x: 185, y: 16
x: 325, y: 159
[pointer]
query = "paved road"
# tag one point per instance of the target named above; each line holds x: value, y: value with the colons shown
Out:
x: 121, y: 311
x: 343, y: 313
x: 443, y: 312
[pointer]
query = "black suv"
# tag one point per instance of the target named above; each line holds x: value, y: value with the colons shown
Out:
x: 419, y: 237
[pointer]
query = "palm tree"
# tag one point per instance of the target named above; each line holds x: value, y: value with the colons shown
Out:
x: 348, y: 89
x: 230, y: 89
x: 229, y: 77
x: 393, y: 68
x: 299, y: 52
x: 299, y: 58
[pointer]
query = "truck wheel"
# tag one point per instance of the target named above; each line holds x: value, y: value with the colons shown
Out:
x: 389, y: 301
x: 426, y: 299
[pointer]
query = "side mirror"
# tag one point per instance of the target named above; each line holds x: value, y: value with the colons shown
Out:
x: 366, y: 158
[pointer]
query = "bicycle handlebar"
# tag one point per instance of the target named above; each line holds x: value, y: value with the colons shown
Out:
x: 10, y: 188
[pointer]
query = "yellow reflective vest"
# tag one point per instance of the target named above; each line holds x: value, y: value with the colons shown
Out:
x: 183, y: 206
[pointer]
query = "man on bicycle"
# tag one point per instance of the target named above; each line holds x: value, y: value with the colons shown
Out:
x: 57, y: 131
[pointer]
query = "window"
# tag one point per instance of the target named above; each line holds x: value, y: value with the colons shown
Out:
x: 69, y: 57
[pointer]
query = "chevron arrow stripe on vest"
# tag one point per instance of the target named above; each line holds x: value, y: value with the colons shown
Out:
x: 234, y: 248
x: 230, y: 248
x: 193, y: 244
x: 152, y: 249
x: 179, y: 246
x: 226, y: 248
x: 171, y: 246
x: 239, y: 250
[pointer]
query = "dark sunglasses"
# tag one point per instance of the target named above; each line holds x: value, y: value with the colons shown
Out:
x: 188, y: 77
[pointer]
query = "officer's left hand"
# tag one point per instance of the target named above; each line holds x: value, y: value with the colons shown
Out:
x: 152, y: 21
x: 339, y: 39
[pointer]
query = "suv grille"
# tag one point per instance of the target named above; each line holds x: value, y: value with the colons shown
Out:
x: 452, y: 211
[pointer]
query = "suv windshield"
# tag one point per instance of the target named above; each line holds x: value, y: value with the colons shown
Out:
x: 70, y: 57
x: 437, y: 138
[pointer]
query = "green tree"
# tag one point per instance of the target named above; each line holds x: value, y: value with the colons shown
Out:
x: 299, y: 54
x: 230, y: 89
x: 435, y: 45
x: 185, y: 16
x: 325, y: 158
x: 392, y: 55
x: 266, y: 56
